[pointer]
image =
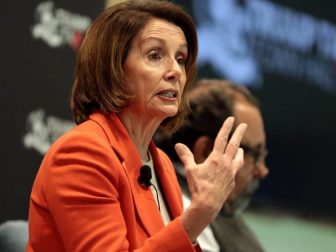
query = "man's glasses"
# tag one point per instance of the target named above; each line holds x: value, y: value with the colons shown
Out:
x: 257, y: 155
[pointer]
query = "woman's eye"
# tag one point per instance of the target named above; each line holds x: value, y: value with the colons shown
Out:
x: 154, y: 55
x: 181, y: 60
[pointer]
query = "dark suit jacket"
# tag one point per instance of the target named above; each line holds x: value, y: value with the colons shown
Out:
x: 233, y: 235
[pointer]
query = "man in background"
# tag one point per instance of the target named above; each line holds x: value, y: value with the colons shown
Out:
x: 211, y: 102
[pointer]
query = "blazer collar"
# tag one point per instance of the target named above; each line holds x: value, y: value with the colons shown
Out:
x: 130, y: 159
x: 169, y: 187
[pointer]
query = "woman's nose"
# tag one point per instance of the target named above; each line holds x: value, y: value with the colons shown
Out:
x: 173, y: 71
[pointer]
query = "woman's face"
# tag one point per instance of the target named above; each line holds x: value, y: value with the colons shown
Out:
x: 155, y: 69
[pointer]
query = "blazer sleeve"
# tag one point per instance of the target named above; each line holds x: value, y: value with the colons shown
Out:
x: 81, y: 191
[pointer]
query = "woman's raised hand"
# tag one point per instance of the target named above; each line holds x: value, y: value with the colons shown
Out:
x: 212, y: 181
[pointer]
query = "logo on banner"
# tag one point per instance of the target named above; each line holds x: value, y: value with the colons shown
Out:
x: 43, y: 130
x: 58, y: 27
x: 243, y: 39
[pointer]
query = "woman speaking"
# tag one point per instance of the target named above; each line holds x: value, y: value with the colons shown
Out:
x: 105, y: 186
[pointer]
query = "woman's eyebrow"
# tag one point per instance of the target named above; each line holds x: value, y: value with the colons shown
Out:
x: 163, y: 41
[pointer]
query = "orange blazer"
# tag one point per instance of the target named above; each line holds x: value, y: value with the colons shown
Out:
x: 86, y: 195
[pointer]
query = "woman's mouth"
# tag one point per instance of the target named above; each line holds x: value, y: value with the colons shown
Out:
x: 168, y: 94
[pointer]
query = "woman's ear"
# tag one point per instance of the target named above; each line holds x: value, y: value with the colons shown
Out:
x: 202, y: 148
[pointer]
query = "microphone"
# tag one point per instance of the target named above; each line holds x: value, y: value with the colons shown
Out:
x: 145, y: 180
x: 145, y: 176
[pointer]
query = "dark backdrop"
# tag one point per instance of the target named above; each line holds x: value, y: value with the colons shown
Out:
x: 299, y: 109
x: 36, y: 78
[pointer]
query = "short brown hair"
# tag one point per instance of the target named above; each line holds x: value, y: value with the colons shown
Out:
x: 99, y: 75
x: 212, y: 101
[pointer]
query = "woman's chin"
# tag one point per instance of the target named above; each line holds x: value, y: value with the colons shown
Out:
x: 167, y: 111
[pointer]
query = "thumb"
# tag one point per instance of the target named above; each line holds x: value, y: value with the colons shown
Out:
x: 185, y: 155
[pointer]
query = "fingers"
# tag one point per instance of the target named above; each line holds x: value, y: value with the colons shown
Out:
x: 238, y: 160
x: 223, y: 135
x: 185, y: 155
x: 233, y: 145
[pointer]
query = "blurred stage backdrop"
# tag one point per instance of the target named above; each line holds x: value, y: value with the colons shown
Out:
x: 284, y: 51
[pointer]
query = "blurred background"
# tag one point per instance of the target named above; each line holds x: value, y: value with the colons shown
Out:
x: 284, y: 51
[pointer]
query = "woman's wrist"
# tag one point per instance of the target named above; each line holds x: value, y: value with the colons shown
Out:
x: 195, y: 219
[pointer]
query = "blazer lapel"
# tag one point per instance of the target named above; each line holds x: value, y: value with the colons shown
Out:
x: 168, y: 188
x: 120, y: 141
x: 144, y: 201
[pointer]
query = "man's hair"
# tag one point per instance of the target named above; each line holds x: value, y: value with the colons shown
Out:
x: 211, y: 101
x: 99, y: 83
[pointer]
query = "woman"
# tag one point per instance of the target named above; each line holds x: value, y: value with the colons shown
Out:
x: 132, y: 68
